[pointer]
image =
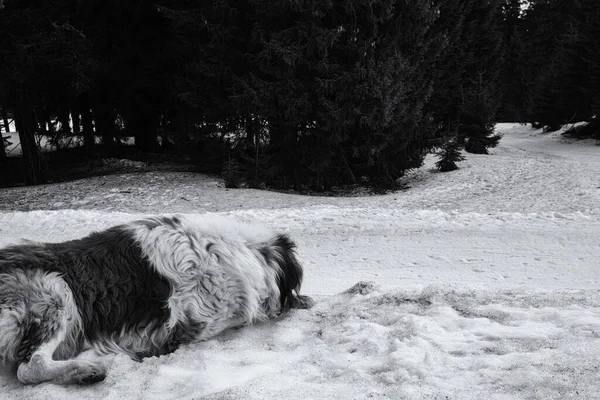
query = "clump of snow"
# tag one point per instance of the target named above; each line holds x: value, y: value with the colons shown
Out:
x: 362, y: 288
x: 482, y: 283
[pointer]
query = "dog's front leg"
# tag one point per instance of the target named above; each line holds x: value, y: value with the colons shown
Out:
x: 86, y: 369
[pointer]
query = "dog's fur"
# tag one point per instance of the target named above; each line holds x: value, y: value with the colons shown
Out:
x: 142, y: 289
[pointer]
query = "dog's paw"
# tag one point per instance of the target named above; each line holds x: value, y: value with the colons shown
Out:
x: 33, y: 371
x: 83, y: 374
x: 304, y: 302
x: 93, y: 378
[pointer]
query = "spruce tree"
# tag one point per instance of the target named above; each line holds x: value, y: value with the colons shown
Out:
x: 589, y: 27
x: 478, y: 118
x: 401, y: 87
x: 559, y: 66
x: 512, y: 81
x: 466, y: 94
x: 480, y: 92
x: 450, y: 152
x: 341, y: 87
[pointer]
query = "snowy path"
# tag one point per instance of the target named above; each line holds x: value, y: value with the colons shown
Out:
x: 528, y: 172
x: 485, y: 282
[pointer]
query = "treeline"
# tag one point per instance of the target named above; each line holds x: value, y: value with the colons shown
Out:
x: 552, y: 64
x: 300, y: 94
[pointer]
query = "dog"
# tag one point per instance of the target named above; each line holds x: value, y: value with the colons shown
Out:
x: 142, y: 288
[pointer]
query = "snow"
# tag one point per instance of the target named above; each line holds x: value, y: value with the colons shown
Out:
x: 479, y: 283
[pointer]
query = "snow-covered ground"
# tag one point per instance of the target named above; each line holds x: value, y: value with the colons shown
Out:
x: 482, y: 283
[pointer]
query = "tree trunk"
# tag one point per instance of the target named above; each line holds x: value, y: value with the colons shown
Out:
x: 63, y: 117
x: 105, y: 125
x: 144, y: 128
x: 34, y: 166
x: 146, y: 135
x: 3, y: 155
x: 43, y: 126
x: 87, y: 122
x: 282, y: 146
x: 251, y: 136
x: 75, y: 116
x: 5, y: 121
x: 76, y: 121
x: 65, y: 126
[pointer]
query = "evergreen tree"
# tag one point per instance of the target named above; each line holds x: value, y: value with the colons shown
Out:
x: 466, y: 95
x: 479, y: 116
x: 560, y: 67
x: 339, y: 88
x: 355, y: 79
x: 480, y: 92
x: 446, y: 104
x: 450, y: 152
x: 512, y: 82
x: 588, y: 59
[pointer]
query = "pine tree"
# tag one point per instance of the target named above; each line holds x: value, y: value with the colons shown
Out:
x: 401, y: 87
x: 589, y: 25
x: 559, y: 64
x: 466, y: 97
x: 480, y: 91
x: 449, y: 74
x: 340, y: 87
x: 450, y: 153
x: 478, y: 118
x: 512, y: 81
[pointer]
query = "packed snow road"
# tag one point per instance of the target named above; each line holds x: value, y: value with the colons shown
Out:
x: 340, y: 246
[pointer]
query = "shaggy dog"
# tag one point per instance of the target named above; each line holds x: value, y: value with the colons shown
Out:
x: 142, y: 289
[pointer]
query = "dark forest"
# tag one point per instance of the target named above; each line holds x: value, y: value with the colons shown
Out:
x: 302, y: 95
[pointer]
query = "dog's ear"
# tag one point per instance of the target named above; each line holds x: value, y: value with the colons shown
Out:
x: 289, y: 277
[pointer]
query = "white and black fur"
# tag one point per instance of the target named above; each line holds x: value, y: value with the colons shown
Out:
x: 142, y: 289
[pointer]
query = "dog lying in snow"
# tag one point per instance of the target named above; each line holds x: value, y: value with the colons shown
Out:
x: 142, y: 289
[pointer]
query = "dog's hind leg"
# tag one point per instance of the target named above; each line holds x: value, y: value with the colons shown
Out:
x: 40, y: 315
